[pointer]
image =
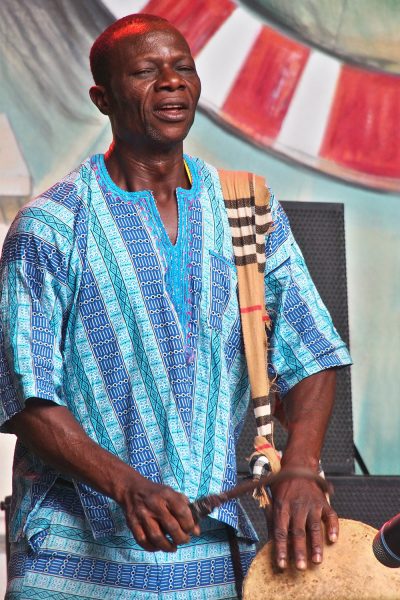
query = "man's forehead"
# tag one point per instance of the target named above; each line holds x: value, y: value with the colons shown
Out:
x: 138, y: 33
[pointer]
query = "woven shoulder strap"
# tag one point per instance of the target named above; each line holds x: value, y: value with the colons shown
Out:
x: 246, y: 199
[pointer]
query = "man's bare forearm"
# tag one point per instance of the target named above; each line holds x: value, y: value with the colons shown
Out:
x: 158, y: 516
x: 299, y: 505
x: 308, y: 408
x: 52, y: 433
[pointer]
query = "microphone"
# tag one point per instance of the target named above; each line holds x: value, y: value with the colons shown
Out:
x: 386, y: 544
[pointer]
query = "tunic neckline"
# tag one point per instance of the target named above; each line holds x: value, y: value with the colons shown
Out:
x: 175, y: 258
x: 182, y: 196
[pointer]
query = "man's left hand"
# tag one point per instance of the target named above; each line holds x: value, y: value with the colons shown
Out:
x: 299, y: 506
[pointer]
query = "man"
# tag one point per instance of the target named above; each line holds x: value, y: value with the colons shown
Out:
x: 122, y: 372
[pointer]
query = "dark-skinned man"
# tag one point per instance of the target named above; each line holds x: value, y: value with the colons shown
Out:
x: 121, y: 366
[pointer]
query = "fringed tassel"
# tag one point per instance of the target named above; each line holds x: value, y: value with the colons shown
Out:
x: 262, y: 497
x: 265, y: 459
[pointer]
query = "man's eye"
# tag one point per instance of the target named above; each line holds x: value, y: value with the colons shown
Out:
x: 186, y: 68
x: 143, y: 72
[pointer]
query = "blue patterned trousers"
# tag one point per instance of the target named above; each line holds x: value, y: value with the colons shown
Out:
x: 62, y: 561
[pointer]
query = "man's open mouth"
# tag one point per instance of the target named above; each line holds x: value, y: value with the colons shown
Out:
x: 171, y: 111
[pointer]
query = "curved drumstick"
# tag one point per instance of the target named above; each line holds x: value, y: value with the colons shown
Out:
x: 205, y: 505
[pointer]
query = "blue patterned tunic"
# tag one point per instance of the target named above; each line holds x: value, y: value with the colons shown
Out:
x: 141, y: 339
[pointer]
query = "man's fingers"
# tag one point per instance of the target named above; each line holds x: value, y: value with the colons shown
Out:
x: 331, y: 521
x: 150, y: 532
x: 140, y: 536
x: 156, y: 537
x: 160, y: 518
x: 179, y: 508
x: 314, y: 528
x: 281, y: 526
x: 290, y: 532
x: 171, y: 526
x: 298, y: 540
x: 298, y: 511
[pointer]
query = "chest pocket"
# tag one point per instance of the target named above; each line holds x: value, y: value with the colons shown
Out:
x: 222, y: 283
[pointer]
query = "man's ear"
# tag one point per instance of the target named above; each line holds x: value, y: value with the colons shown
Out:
x: 99, y: 96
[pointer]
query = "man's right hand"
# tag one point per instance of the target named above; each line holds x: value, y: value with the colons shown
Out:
x: 154, y: 512
x: 159, y: 517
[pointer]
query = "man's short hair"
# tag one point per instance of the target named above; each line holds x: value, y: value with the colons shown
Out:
x: 100, y: 51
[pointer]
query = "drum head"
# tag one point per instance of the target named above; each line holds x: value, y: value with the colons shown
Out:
x: 349, y: 571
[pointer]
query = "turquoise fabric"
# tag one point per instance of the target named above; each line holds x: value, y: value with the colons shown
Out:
x: 142, y: 340
x: 64, y: 561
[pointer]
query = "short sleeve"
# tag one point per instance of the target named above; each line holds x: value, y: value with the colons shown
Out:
x: 303, y: 339
x: 34, y: 299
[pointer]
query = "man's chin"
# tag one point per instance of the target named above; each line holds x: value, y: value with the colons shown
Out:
x: 170, y: 136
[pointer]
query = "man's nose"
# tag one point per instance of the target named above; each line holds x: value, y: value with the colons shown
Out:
x: 171, y: 79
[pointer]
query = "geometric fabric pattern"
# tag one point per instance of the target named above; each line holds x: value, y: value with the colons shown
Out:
x: 140, y: 338
x: 63, y: 561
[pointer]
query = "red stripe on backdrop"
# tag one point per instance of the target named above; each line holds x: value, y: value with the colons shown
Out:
x: 197, y: 20
x: 261, y: 94
x: 363, y: 130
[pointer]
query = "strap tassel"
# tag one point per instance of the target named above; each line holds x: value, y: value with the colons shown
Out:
x: 265, y: 459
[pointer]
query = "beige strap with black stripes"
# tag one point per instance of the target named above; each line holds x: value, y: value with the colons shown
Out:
x: 247, y: 203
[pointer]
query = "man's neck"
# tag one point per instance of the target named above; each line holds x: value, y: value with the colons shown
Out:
x: 161, y: 171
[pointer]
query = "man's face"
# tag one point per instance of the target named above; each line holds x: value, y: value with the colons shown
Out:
x: 153, y: 88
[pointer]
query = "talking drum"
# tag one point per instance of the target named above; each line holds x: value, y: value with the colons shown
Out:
x: 349, y: 571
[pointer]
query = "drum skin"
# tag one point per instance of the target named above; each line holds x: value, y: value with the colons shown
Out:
x: 349, y: 571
